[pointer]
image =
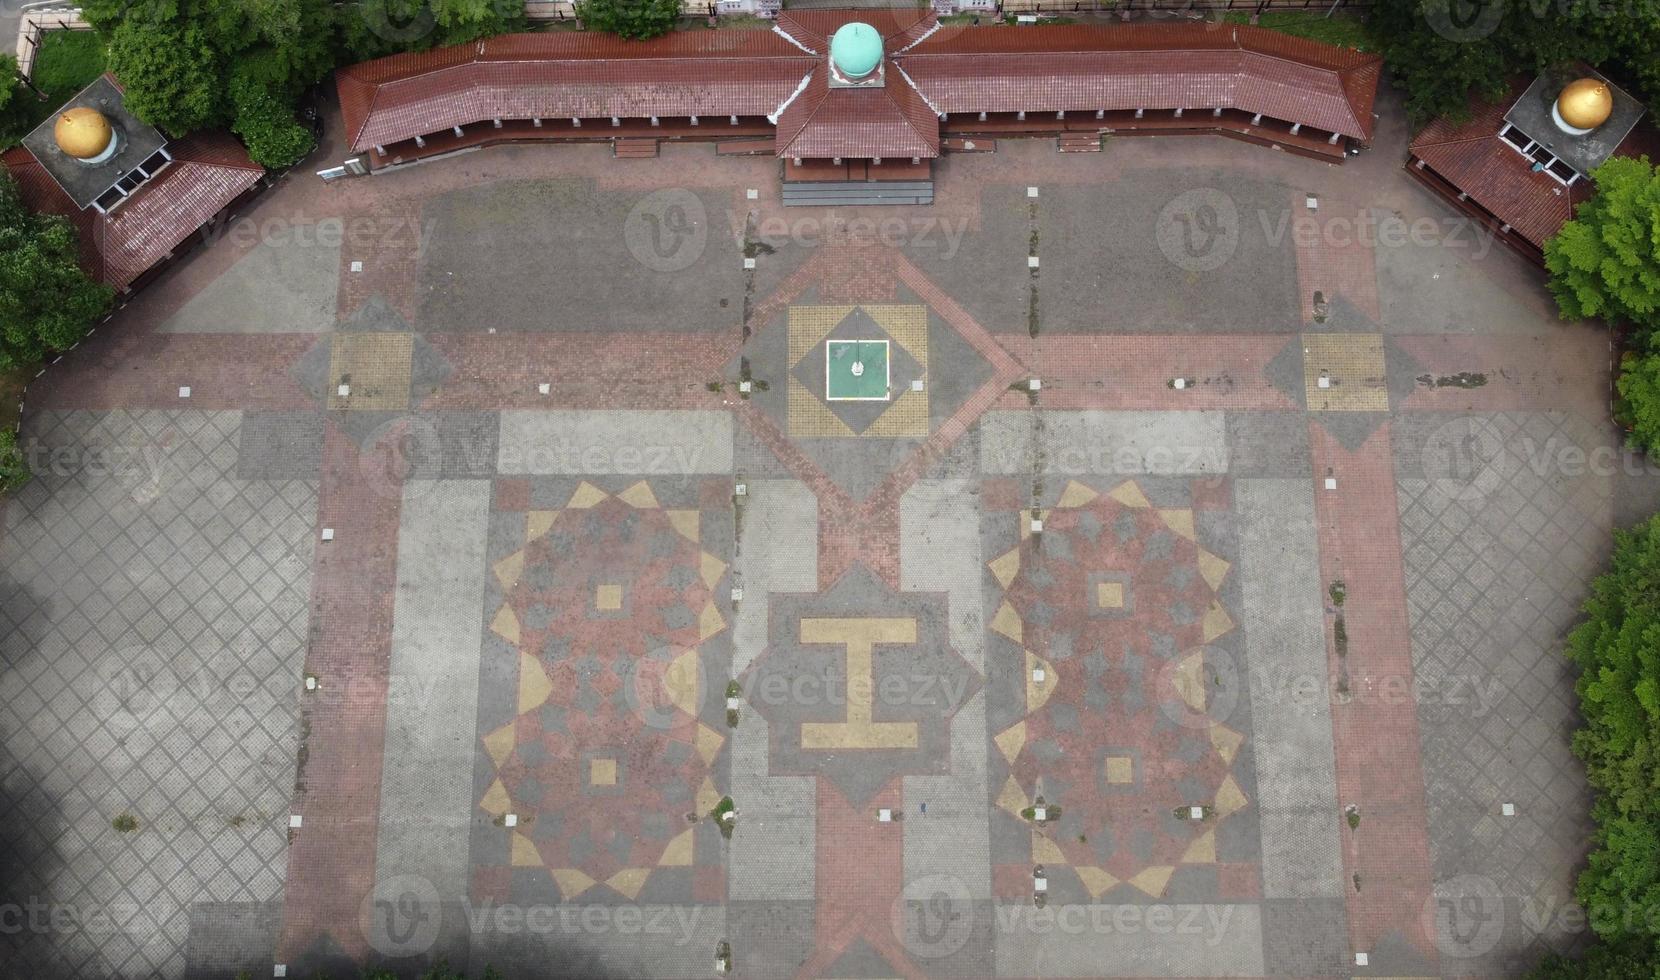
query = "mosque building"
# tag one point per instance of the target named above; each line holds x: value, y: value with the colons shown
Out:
x: 861, y: 96
x: 136, y: 198
x: 1522, y: 164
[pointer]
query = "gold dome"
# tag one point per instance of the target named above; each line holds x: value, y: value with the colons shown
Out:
x: 1586, y: 103
x: 82, y: 133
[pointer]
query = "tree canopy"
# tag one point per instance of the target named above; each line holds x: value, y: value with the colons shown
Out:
x: 1606, y: 262
x: 637, y: 20
x: 1443, y: 51
x: 47, y: 302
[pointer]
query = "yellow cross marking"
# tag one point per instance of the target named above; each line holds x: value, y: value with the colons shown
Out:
x: 859, y: 731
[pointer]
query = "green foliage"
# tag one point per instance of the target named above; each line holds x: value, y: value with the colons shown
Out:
x: 14, y: 469
x: 67, y: 62
x: 1624, y: 961
x: 372, y: 28
x: 172, y: 74
x: 1347, y: 32
x: 1638, y: 406
x: 1606, y: 262
x: 267, y: 125
x: 636, y: 20
x: 126, y: 823
x: 1617, y: 651
x: 47, y: 303
x: 1441, y: 51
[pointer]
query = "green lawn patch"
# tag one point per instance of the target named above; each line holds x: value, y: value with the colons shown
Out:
x: 67, y: 62
x: 1338, y: 29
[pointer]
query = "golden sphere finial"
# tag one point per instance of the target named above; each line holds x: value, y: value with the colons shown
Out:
x: 82, y: 132
x: 1586, y: 103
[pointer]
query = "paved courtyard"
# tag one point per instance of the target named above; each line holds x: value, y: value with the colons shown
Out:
x: 1145, y: 563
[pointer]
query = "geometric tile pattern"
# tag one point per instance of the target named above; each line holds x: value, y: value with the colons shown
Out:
x: 604, y: 762
x: 157, y: 679
x: 810, y: 411
x: 374, y: 369
x: 1114, y: 604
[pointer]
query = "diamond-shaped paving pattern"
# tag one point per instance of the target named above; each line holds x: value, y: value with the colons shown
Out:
x: 1499, y: 543
x: 151, y: 641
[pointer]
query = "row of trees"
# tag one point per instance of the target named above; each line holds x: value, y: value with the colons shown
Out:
x: 194, y: 64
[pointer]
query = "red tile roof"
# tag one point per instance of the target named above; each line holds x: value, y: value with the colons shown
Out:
x: 930, y: 69
x: 1471, y: 157
x: 1046, y: 68
x: 209, y: 171
x: 557, y: 76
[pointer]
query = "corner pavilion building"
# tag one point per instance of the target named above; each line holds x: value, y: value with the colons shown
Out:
x: 863, y: 95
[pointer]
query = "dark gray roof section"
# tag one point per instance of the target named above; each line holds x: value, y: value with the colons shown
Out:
x: 1531, y: 114
x: 138, y: 141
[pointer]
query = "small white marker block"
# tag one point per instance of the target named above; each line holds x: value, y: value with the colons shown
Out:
x: 732, y: 704
x: 294, y: 821
x: 328, y: 534
x: 344, y: 391
x: 1035, y: 384
x: 741, y: 489
x: 916, y: 384
x: 1508, y: 809
x: 1179, y: 383
x: 1031, y: 262
x: 1031, y: 192
x: 884, y: 815
x: 737, y: 595
x: 1361, y: 959
x: 1196, y: 813
x: 511, y: 820
x: 1040, y: 884
x: 1323, y: 382
x: 749, y: 263
x: 279, y: 970
x: 1040, y: 813
x: 491, y: 330
x: 752, y: 193
x: 1038, y: 674
x: 357, y: 266
x: 1331, y: 483
x: 184, y: 391
x: 1037, y: 525
x: 1312, y: 202
x: 745, y: 386
x: 311, y: 683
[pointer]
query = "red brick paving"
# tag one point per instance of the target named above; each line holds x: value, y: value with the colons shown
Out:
x: 1379, y: 768
x: 596, y: 370
x: 1134, y: 371
x: 331, y: 862
x: 859, y: 876
x: 1334, y: 255
x: 117, y: 369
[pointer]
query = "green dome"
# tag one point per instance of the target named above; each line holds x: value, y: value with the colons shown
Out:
x: 856, y: 49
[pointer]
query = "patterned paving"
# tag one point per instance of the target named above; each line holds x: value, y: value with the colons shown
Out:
x: 154, y: 628
x: 1033, y: 667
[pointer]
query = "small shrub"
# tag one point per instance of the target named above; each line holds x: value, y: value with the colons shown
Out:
x: 637, y: 20
x: 14, y: 469
x: 126, y: 823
